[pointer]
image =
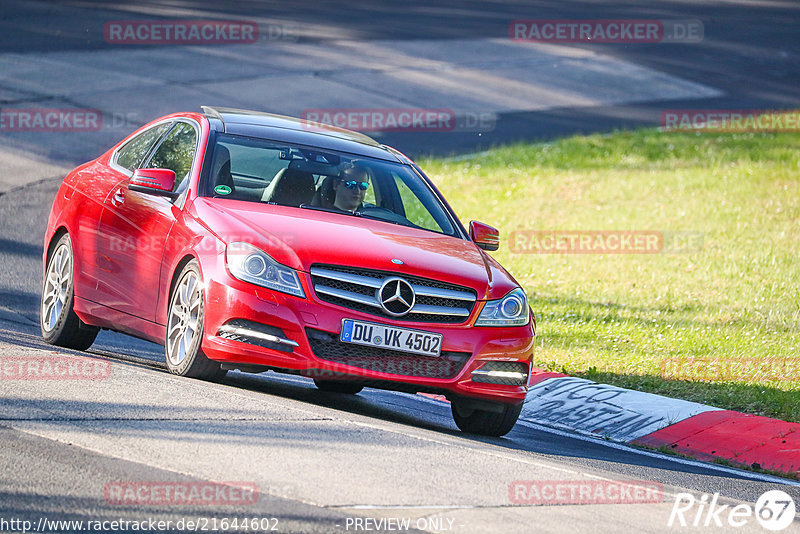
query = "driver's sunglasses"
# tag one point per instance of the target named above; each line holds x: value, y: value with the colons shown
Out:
x: 352, y: 184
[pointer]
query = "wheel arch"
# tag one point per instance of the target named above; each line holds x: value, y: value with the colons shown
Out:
x: 177, y: 271
x: 60, y: 231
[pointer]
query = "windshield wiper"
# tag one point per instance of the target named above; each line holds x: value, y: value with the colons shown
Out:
x: 329, y: 210
x: 407, y: 224
x: 360, y: 214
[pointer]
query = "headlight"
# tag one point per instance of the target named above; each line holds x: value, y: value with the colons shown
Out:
x: 511, y: 310
x: 249, y: 264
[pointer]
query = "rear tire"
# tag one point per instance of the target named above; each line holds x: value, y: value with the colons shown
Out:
x: 485, y: 422
x: 60, y: 324
x: 185, y: 328
x: 338, y: 386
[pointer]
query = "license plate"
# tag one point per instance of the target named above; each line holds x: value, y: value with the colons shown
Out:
x: 390, y: 337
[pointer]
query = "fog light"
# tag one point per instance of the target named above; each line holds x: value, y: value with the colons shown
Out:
x: 257, y: 334
x: 503, y: 373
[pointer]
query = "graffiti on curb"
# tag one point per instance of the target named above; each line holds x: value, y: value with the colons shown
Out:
x: 602, y: 409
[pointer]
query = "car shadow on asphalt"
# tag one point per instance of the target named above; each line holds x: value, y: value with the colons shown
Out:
x: 422, y: 413
x: 403, y: 409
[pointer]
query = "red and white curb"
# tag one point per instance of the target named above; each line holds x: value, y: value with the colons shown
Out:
x: 745, y: 439
x: 696, y: 430
x: 633, y: 417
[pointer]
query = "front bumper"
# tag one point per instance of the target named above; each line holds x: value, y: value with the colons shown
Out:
x: 301, y: 336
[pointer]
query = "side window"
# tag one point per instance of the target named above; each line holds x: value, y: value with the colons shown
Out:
x: 414, y: 208
x: 134, y: 151
x: 176, y: 152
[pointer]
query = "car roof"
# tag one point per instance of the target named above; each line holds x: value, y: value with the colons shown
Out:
x: 294, y: 130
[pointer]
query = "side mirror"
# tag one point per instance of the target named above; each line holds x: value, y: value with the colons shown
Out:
x: 159, y: 182
x: 485, y: 236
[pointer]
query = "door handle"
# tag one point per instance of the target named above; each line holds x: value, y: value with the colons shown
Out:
x: 118, y: 198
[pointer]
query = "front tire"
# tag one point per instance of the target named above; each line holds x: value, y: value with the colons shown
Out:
x: 485, y: 422
x: 60, y: 324
x: 185, y: 328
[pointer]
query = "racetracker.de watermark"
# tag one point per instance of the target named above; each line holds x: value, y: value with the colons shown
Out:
x: 370, y: 367
x: 55, y: 120
x: 157, y: 244
x: 729, y: 120
x: 181, y: 493
x: 605, y: 242
x: 53, y: 367
x: 743, y: 370
x: 629, y: 31
x: 209, y: 523
x: 399, y: 120
x: 50, y: 120
x: 195, y: 32
x: 552, y: 492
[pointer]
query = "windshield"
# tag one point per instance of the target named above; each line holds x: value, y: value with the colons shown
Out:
x: 255, y: 170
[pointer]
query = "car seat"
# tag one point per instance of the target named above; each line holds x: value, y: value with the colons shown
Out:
x: 290, y: 187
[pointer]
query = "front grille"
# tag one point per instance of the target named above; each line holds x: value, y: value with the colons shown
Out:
x: 350, y: 287
x: 326, y: 346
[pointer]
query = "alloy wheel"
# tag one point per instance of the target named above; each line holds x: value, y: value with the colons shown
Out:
x: 184, y: 319
x: 56, y: 287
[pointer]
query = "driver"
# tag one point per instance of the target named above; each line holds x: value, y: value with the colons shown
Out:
x: 351, y: 186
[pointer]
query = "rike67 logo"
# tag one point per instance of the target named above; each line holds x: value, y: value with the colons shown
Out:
x: 774, y: 510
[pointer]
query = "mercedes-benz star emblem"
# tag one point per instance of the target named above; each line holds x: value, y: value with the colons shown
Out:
x: 396, y: 296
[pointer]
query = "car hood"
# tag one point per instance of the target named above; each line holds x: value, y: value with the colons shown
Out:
x: 299, y: 238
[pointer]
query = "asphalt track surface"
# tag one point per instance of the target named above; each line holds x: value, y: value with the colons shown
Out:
x: 319, y: 459
x: 750, y: 49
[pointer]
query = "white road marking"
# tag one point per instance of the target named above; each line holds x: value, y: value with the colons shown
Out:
x: 760, y: 477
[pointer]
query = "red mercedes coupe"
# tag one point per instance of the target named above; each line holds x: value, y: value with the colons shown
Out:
x: 243, y: 240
